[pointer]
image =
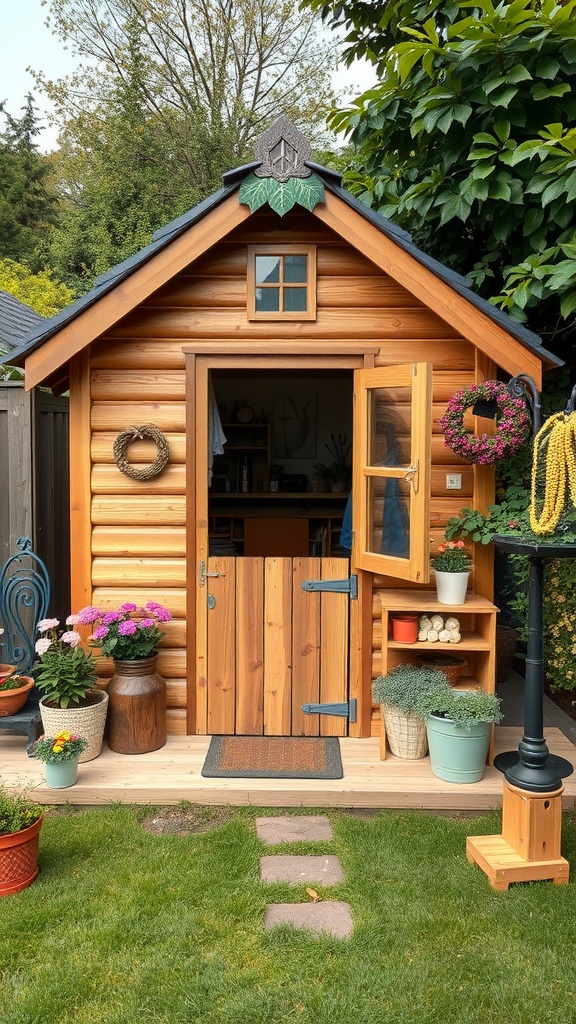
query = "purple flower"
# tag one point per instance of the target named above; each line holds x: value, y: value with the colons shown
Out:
x: 100, y: 632
x: 146, y: 623
x: 88, y: 615
x: 128, y: 607
x: 162, y: 614
x: 127, y: 628
x: 110, y: 617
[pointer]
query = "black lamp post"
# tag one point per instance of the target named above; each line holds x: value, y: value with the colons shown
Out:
x: 533, y: 768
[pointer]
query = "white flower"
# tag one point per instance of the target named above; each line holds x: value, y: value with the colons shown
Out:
x: 45, y: 624
x: 72, y: 620
x: 71, y: 638
x: 42, y: 645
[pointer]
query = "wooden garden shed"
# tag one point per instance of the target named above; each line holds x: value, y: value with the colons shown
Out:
x: 290, y: 316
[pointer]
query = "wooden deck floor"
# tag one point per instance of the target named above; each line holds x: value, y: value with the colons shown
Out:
x: 172, y: 773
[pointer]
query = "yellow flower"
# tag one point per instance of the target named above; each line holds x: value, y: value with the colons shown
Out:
x: 57, y: 748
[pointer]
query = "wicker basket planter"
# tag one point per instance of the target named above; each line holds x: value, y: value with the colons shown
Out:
x: 452, y: 666
x: 406, y: 733
x: 88, y: 721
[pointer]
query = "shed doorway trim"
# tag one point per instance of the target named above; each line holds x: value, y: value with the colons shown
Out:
x: 199, y: 365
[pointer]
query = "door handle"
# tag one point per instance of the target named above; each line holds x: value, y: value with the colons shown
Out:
x: 411, y: 475
x: 204, y: 574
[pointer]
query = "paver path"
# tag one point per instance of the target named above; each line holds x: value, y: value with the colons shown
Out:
x: 330, y: 917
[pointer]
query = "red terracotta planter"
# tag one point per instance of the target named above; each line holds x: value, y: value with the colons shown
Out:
x: 12, y: 701
x: 405, y: 627
x: 19, y: 858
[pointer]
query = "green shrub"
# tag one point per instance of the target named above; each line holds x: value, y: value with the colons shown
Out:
x: 465, y: 707
x: 16, y: 812
x: 404, y: 686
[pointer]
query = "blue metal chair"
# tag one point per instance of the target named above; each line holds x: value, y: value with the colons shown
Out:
x: 24, y: 600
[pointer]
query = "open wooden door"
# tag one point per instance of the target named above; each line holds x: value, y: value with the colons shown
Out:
x: 265, y: 645
x: 391, y: 479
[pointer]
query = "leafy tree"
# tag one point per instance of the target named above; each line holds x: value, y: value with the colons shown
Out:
x: 172, y: 94
x: 40, y: 291
x: 469, y: 141
x: 27, y: 197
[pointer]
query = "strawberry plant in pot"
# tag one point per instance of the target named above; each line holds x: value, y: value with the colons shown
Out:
x: 65, y: 673
x: 20, y: 824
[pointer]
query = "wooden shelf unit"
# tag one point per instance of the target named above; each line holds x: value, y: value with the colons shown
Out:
x: 477, y: 617
x: 322, y: 534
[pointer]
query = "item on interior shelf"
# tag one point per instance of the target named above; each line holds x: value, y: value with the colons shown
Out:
x: 404, y: 627
x: 242, y: 412
x: 435, y: 629
x: 452, y: 666
x: 512, y: 423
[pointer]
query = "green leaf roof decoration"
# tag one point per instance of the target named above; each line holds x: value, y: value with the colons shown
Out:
x: 281, y: 196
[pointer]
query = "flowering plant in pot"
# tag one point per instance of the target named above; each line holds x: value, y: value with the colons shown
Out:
x: 127, y: 633
x: 131, y: 635
x: 60, y: 754
x: 66, y: 676
x: 20, y: 823
x: 451, y: 567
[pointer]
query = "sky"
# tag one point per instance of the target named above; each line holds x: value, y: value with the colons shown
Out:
x: 25, y: 41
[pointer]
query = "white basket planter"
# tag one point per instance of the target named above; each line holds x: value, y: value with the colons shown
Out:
x: 406, y: 734
x: 86, y: 721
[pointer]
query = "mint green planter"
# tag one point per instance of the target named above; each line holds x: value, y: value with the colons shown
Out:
x: 62, y: 775
x: 457, y: 754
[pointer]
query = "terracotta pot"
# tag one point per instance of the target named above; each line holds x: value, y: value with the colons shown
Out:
x: 12, y: 701
x: 19, y: 858
x: 405, y: 627
x: 137, y: 714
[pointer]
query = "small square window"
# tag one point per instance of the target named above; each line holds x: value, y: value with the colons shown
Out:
x: 282, y: 282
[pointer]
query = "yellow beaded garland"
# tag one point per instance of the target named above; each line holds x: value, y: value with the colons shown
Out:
x: 554, y: 445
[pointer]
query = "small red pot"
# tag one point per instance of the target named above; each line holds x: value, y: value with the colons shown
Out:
x: 405, y: 627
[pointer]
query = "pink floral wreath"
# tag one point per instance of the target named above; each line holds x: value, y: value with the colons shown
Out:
x: 513, y: 424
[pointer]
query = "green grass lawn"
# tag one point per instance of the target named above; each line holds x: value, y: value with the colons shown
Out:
x: 125, y: 926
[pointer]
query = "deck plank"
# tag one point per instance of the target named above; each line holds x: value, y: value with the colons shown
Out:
x: 172, y: 773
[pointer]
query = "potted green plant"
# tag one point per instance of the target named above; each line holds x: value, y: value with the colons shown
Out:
x: 60, y: 755
x: 131, y: 635
x: 14, y: 690
x: 20, y: 824
x: 65, y: 674
x: 458, y: 725
x: 336, y: 473
x: 398, y: 693
x: 451, y: 567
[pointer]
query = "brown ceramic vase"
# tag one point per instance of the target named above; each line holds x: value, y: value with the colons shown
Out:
x: 137, y: 707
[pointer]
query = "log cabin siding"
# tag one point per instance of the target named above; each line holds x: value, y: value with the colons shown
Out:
x: 137, y: 376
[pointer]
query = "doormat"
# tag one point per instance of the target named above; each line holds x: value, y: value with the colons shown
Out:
x: 273, y: 757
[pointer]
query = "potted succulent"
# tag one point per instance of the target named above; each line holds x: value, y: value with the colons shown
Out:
x: 65, y: 674
x: 20, y: 824
x: 451, y: 567
x: 398, y: 693
x: 459, y: 725
x: 131, y: 635
x: 60, y: 755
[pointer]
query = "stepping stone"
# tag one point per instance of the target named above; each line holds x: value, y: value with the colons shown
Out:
x: 331, y: 918
x: 300, y: 870
x: 293, y: 829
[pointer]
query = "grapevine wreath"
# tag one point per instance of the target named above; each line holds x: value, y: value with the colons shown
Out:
x: 513, y: 424
x: 125, y: 439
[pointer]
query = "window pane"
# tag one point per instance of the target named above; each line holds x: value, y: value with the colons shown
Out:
x: 268, y: 269
x: 295, y: 269
x: 388, y: 527
x: 267, y: 300
x: 389, y: 443
x: 295, y: 300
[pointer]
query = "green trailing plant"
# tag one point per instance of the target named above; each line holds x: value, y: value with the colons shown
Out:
x: 17, y: 812
x: 464, y: 707
x: 404, y: 685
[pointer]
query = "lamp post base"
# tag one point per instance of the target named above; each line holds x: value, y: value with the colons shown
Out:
x: 529, y: 848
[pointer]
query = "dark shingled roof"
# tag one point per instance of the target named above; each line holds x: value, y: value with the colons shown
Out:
x: 16, y: 321
x: 231, y: 180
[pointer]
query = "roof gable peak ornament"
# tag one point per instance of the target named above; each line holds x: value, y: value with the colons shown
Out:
x: 282, y: 150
